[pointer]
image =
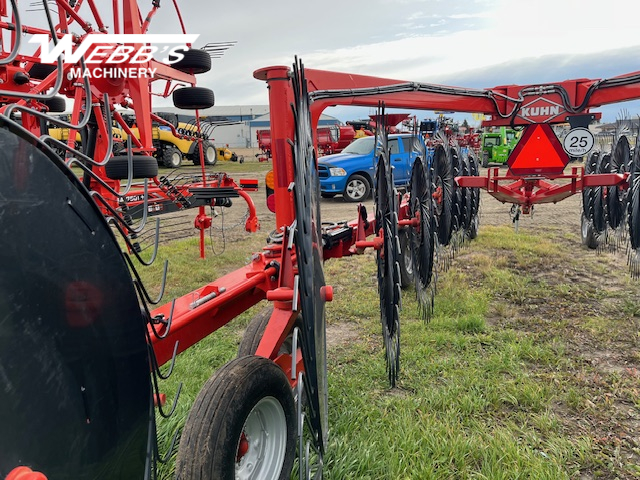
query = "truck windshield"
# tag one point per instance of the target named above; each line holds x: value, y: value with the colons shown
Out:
x: 361, y: 146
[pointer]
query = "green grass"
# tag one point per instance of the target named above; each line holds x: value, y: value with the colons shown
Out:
x: 491, y: 388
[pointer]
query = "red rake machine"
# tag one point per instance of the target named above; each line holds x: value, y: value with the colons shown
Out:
x: 81, y: 339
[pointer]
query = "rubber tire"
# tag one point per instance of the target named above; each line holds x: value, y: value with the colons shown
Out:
x: 367, y: 191
x: 406, y: 272
x: 117, y: 168
x: 211, y: 434
x: 207, y: 146
x: 255, y: 330
x: 194, y: 61
x: 40, y: 71
x: 56, y: 104
x: 587, y: 233
x: 485, y: 159
x: 192, y: 98
x: 472, y: 232
x: 169, y: 153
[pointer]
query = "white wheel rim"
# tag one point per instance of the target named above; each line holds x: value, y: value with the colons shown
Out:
x: 356, y: 189
x: 210, y: 153
x: 266, y: 432
x: 175, y: 159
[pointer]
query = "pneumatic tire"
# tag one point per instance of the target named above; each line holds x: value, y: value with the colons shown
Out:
x: 117, y: 168
x: 242, y: 424
x: 357, y: 189
x: 194, y: 61
x: 171, y: 157
x: 192, y: 98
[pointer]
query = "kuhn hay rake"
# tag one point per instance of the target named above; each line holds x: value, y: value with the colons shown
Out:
x: 81, y: 339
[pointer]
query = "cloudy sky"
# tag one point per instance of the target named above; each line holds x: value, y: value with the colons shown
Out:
x: 472, y: 43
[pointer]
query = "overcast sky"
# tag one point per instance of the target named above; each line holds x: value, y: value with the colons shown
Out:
x: 473, y: 43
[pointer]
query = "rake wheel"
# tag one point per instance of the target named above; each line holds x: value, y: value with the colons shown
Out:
x: 588, y: 193
x: 443, y: 194
x: 617, y: 196
x: 474, y: 171
x: 422, y: 236
x: 308, y: 243
x: 633, y: 208
x: 467, y: 213
x: 387, y: 260
x: 76, y: 390
x: 599, y: 203
x: 458, y: 203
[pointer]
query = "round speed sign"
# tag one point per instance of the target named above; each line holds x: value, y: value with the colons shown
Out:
x: 578, y: 142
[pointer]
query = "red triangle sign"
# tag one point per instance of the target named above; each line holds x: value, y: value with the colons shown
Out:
x: 538, y: 152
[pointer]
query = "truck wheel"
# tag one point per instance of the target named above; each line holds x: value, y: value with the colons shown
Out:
x: 117, y: 168
x: 242, y: 425
x: 171, y: 157
x: 357, y: 189
x: 406, y: 262
x: 194, y: 61
x: 192, y: 98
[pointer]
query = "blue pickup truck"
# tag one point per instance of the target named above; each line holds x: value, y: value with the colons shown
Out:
x: 351, y: 172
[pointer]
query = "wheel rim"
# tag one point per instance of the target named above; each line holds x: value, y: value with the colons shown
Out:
x: 176, y: 159
x: 210, y: 154
x: 356, y: 189
x: 265, y: 432
x: 408, y: 262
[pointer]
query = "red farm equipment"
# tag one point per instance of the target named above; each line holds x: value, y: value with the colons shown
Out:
x: 81, y: 338
x: 264, y: 144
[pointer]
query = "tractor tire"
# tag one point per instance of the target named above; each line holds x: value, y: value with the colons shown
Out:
x: 241, y: 425
x: 357, y: 189
x: 192, y: 98
x: 40, y: 71
x: 117, y: 168
x: 210, y: 154
x: 194, y: 61
x: 56, y: 104
x: 171, y: 157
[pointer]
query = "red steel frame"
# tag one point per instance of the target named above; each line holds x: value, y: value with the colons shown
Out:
x: 255, y: 282
x: 270, y: 274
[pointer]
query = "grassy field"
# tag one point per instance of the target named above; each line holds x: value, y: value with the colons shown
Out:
x: 529, y: 368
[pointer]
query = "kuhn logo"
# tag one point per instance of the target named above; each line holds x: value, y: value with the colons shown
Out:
x: 540, y: 110
x: 110, y: 48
